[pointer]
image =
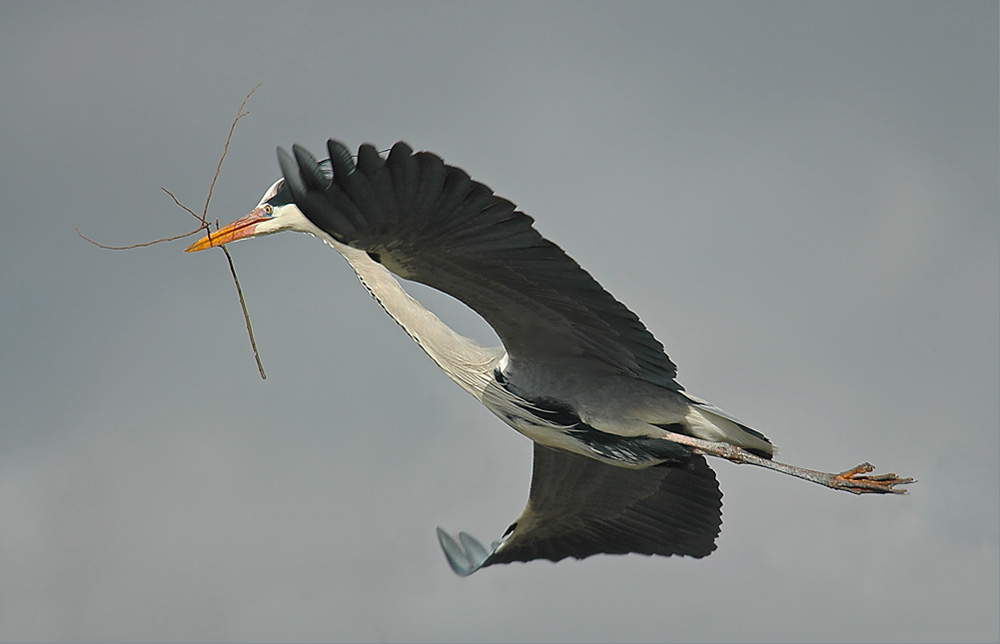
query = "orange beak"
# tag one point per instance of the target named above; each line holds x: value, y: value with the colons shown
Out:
x: 240, y: 229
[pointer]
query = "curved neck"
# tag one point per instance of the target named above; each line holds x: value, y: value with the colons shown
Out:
x: 469, y: 364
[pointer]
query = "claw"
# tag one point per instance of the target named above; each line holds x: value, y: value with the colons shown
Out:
x: 864, y: 468
x: 855, y: 481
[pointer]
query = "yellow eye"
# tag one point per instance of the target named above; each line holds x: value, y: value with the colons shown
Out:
x: 268, y: 210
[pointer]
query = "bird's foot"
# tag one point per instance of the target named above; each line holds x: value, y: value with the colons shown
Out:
x: 857, y: 481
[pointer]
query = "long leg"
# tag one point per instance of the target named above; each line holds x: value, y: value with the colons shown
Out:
x: 855, y: 480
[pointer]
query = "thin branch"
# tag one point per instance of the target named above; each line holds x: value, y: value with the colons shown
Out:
x: 225, y: 150
x: 203, y: 218
x: 140, y: 245
x: 200, y: 218
x: 203, y: 226
x: 246, y: 315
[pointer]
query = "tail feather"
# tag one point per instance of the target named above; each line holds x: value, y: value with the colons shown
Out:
x: 712, y: 423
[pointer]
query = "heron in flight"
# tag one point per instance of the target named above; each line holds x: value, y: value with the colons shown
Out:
x: 619, y: 445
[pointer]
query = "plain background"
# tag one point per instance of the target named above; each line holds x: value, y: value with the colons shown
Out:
x: 799, y: 199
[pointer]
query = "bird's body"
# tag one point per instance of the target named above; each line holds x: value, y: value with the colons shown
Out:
x: 545, y: 408
x: 578, y: 373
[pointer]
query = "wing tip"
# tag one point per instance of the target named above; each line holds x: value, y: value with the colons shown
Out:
x: 466, y: 555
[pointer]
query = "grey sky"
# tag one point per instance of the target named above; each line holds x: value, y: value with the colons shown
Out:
x: 799, y: 199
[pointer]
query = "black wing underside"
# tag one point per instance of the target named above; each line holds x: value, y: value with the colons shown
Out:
x: 429, y: 222
x: 580, y: 507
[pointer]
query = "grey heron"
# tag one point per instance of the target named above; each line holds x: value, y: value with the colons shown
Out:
x: 619, y: 445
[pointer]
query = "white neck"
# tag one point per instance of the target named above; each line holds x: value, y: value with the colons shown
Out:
x: 469, y: 364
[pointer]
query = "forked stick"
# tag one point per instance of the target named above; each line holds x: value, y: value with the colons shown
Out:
x: 203, y: 218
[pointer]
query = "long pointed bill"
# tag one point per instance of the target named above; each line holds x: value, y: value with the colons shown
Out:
x: 239, y: 229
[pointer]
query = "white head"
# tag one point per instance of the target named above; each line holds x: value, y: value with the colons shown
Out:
x: 275, y: 212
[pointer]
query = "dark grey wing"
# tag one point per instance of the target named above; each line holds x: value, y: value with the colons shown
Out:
x: 429, y: 222
x: 580, y: 507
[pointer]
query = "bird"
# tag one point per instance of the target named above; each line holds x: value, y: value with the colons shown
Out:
x: 619, y: 455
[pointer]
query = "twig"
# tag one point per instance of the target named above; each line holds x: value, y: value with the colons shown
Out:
x: 246, y: 316
x: 140, y: 245
x: 225, y: 150
x: 204, y: 224
x: 203, y: 218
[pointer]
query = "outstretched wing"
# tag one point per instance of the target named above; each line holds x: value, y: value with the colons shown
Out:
x: 429, y: 222
x: 580, y: 507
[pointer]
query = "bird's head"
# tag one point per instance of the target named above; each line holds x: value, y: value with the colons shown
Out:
x: 275, y: 212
